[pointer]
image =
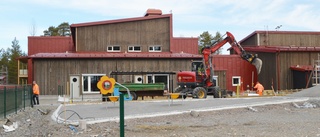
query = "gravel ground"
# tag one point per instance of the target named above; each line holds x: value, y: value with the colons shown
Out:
x: 286, y: 120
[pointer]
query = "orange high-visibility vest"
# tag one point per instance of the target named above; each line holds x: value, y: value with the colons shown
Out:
x: 36, y: 89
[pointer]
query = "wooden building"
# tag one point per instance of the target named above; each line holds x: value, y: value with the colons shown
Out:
x: 141, y: 44
x: 279, y: 50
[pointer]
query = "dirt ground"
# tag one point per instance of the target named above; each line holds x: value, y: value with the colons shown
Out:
x: 286, y: 120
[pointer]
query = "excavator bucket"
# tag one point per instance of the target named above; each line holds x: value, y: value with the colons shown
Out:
x: 258, y: 64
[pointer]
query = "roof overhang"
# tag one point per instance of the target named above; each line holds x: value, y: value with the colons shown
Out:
x: 301, y: 68
x: 272, y: 49
x: 279, y: 32
x: 96, y: 55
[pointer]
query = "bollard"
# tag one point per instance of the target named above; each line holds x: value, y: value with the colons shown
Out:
x: 83, y: 125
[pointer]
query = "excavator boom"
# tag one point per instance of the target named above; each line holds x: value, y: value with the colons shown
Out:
x: 207, y: 52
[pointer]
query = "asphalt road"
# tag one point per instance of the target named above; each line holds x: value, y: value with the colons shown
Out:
x: 109, y: 111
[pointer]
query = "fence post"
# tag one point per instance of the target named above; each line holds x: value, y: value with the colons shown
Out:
x: 5, y: 102
x: 24, y: 97
x: 59, y: 92
x: 31, y: 96
x: 15, y: 99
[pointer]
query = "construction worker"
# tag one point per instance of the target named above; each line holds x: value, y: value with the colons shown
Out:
x: 36, y: 93
x: 259, y: 88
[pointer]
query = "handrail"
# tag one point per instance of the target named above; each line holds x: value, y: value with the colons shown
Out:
x: 128, y: 91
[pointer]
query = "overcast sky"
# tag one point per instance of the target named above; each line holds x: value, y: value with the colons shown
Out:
x: 190, y: 17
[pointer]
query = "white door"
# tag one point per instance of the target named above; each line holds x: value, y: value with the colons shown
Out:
x: 74, y: 86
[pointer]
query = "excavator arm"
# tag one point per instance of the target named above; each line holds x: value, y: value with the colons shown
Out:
x: 207, y: 55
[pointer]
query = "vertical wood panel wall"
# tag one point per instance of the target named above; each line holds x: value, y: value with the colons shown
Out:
x: 142, y: 33
x: 51, y: 72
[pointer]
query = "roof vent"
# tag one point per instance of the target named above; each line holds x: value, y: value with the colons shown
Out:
x: 150, y: 12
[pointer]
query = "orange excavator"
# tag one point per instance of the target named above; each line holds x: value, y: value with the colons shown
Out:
x: 200, y: 81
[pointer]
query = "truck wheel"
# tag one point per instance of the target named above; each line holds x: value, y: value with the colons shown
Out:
x: 200, y: 92
x: 216, y: 92
x: 179, y: 90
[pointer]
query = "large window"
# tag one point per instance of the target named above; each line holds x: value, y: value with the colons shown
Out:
x: 155, y: 48
x: 159, y: 78
x: 89, y: 82
x: 134, y: 49
x: 113, y: 49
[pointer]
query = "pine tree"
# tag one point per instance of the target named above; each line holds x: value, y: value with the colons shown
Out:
x: 10, y: 60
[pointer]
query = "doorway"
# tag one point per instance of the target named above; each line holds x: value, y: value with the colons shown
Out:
x: 74, y: 86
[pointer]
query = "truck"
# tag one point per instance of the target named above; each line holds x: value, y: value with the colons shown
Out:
x: 200, y: 81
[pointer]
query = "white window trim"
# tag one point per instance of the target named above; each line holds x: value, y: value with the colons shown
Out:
x: 217, y: 81
x: 236, y: 77
x: 153, y: 48
x: 133, y: 49
x: 113, y: 48
x: 153, y: 78
x: 89, y: 85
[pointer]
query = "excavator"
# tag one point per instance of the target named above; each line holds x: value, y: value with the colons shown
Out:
x: 200, y: 81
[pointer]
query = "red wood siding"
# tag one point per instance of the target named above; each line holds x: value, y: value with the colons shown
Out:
x: 49, y: 45
x: 185, y: 45
x: 235, y: 66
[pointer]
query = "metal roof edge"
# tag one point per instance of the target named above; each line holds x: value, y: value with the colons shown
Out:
x: 113, y: 55
x: 120, y: 20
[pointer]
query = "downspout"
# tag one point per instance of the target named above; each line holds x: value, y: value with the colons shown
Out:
x: 278, y: 69
x: 258, y: 38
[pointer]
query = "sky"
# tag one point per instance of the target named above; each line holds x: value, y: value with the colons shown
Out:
x: 190, y: 17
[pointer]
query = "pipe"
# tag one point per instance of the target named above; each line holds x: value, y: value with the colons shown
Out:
x: 278, y: 69
x: 128, y: 91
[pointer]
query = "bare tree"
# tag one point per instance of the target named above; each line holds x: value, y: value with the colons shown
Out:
x: 33, y: 28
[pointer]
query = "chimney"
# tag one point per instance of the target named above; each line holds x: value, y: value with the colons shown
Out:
x: 153, y: 12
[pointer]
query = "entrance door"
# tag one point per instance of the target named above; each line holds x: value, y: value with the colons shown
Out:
x: 74, y: 86
x: 221, y: 79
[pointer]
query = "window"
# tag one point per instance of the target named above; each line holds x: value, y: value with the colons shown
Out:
x: 155, y: 48
x: 113, y: 48
x: 215, y: 80
x: 134, y: 49
x: 159, y: 78
x: 89, y: 82
x: 236, y: 81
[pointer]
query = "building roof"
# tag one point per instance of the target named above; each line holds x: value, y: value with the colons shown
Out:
x: 92, y: 55
x: 301, y: 67
x: 281, y: 49
x: 280, y: 32
x: 120, y: 20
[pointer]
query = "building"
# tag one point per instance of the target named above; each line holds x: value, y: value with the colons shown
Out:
x: 280, y: 50
x: 95, y: 49
x: 141, y: 44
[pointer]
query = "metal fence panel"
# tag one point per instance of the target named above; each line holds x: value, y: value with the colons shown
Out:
x: 14, y: 98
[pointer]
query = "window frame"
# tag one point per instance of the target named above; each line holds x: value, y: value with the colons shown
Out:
x: 215, y: 77
x: 112, y: 50
x: 89, y: 83
x: 133, y: 48
x: 233, y: 80
x: 153, y: 48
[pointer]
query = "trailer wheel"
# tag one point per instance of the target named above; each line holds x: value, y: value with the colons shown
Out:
x: 134, y: 95
x: 179, y: 90
x: 200, y: 92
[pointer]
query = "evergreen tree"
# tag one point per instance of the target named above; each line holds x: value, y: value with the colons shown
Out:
x: 62, y: 30
x: 206, y: 40
x: 9, y: 58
